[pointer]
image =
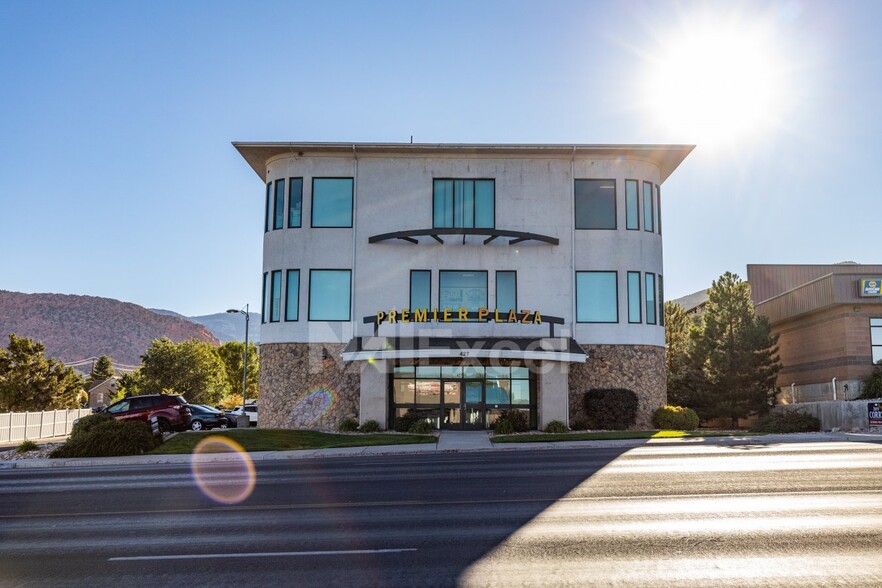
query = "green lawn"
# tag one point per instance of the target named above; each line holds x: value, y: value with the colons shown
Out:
x: 613, y: 435
x: 286, y: 439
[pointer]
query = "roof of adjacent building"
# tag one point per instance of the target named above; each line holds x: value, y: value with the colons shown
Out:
x: 692, y: 302
x: 666, y: 157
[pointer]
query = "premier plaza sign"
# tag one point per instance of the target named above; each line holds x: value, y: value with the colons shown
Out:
x: 450, y: 315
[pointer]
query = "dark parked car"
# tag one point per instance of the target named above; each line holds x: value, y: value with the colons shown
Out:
x: 171, y: 410
x: 205, y: 417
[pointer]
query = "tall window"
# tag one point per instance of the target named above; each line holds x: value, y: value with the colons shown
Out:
x: 661, y: 300
x: 332, y: 202
x: 329, y: 295
x: 632, y: 206
x: 267, y: 222
x: 292, y: 295
x: 420, y: 289
x: 650, y: 298
x: 507, y: 291
x: 279, y: 206
x: 876, y: 338
x: 634, y: 298
x: 462, y: 289
x: 464, y: 204
x: 276, y: 298
x: 295, y: 202
x: 595, y: 204
x: 658, y: 205
x: 648, y: 209
x: 264, y: 309
x: 597, y: 297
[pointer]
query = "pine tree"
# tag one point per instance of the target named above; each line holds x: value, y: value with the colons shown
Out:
x: 29, y: 381
x: 734, y: 353
x: 102, y: 370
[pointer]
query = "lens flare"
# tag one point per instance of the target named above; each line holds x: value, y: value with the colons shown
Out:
x: 313, y: 406
x: 223, y: 470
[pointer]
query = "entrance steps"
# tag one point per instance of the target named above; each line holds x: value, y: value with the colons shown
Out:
x: 464, y: 440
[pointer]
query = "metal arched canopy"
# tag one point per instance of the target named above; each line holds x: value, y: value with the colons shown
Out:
x: 491, y: 234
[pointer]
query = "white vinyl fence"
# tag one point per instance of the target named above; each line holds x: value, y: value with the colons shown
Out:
x: 18, y: 426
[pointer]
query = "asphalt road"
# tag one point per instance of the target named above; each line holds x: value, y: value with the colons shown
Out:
x: 750, y: 515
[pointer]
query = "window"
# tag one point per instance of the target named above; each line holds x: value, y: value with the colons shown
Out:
x: 632, y: 206
x: 292, y: 295
x: 634, y: 298
x: 332, y: 202
x: 276, y: 301
x: 595, y: 204
x: 507, y: 291
x: 269, y: 208
x: 597, y: 297
x: 329, y: 295
x: 265, y: 298
x: 661, y: 300
x: 279, y: 208
x: 648, y: 210
x: 464, y: 204
x: 462, y: 289
x: 876, y: 338
x: 650, y: 298
x: 658, y: 205
x: 420, y: 289
x: 295, y: 202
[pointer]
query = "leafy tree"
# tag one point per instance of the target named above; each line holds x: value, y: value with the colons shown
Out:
x: 677, y: 325
x: 102, y: 370
x: 231, y: 354
x: 733, y: 358
x: 191, y: 368
x: 129, y: 384
x: 31, y: 382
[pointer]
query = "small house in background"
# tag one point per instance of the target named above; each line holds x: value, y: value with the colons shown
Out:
x: 829, y: 322
x: 100, y: 394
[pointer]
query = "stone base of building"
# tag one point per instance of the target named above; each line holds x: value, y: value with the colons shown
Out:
x: 639, y: 368
x: 306, y: 386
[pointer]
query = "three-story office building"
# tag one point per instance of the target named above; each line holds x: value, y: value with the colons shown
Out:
x: 459, y: 281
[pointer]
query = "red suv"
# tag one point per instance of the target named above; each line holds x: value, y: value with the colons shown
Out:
x: 170, y: 410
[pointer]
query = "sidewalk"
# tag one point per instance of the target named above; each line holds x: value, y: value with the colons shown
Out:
x: 448, y: 442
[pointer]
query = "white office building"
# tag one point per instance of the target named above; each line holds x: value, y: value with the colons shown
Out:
x: 459, y: 281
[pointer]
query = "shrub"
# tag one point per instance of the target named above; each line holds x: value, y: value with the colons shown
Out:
x: 27, y: 446
x: 404, y: 422
x: 578, y: 424
x: 677, y: 418
x: 87, y: 423
x: 348, y: 425
x: 556, y: 427
x: 519, y: 420
x: 421, y: 428
x: 610, y: 409
x: 791, y: 421
x: 109, y: 438
x: 872, y: 387
x: 370, y: 426
x: 502, y: 427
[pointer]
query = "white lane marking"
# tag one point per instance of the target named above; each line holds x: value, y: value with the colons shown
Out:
x: 259, y: 554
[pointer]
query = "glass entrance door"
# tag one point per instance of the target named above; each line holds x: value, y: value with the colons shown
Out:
x: 473, y: 405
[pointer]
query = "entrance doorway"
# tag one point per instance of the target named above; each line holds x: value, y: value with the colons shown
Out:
x: 463, y: 405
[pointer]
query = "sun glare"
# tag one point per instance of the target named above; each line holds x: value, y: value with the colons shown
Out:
x: 714, y: 84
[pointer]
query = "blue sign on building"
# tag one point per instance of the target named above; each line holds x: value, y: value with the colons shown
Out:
x: 874, y: 412
x: 871, y: 287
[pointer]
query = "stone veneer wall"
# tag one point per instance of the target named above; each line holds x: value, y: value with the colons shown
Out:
x: 640, y: 368
x: 300, y: 390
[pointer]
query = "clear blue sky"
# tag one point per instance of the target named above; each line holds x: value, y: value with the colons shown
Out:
x: 117, y: 177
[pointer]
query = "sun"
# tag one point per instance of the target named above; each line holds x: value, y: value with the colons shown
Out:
x: 716, y: 84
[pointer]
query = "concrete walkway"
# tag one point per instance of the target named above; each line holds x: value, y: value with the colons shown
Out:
x: 449, y: 441
x: 464, y: 440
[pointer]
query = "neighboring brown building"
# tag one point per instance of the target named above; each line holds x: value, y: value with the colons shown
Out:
x: 829, y: 319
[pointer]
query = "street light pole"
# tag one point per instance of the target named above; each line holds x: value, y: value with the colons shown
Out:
x: 245, y: 354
